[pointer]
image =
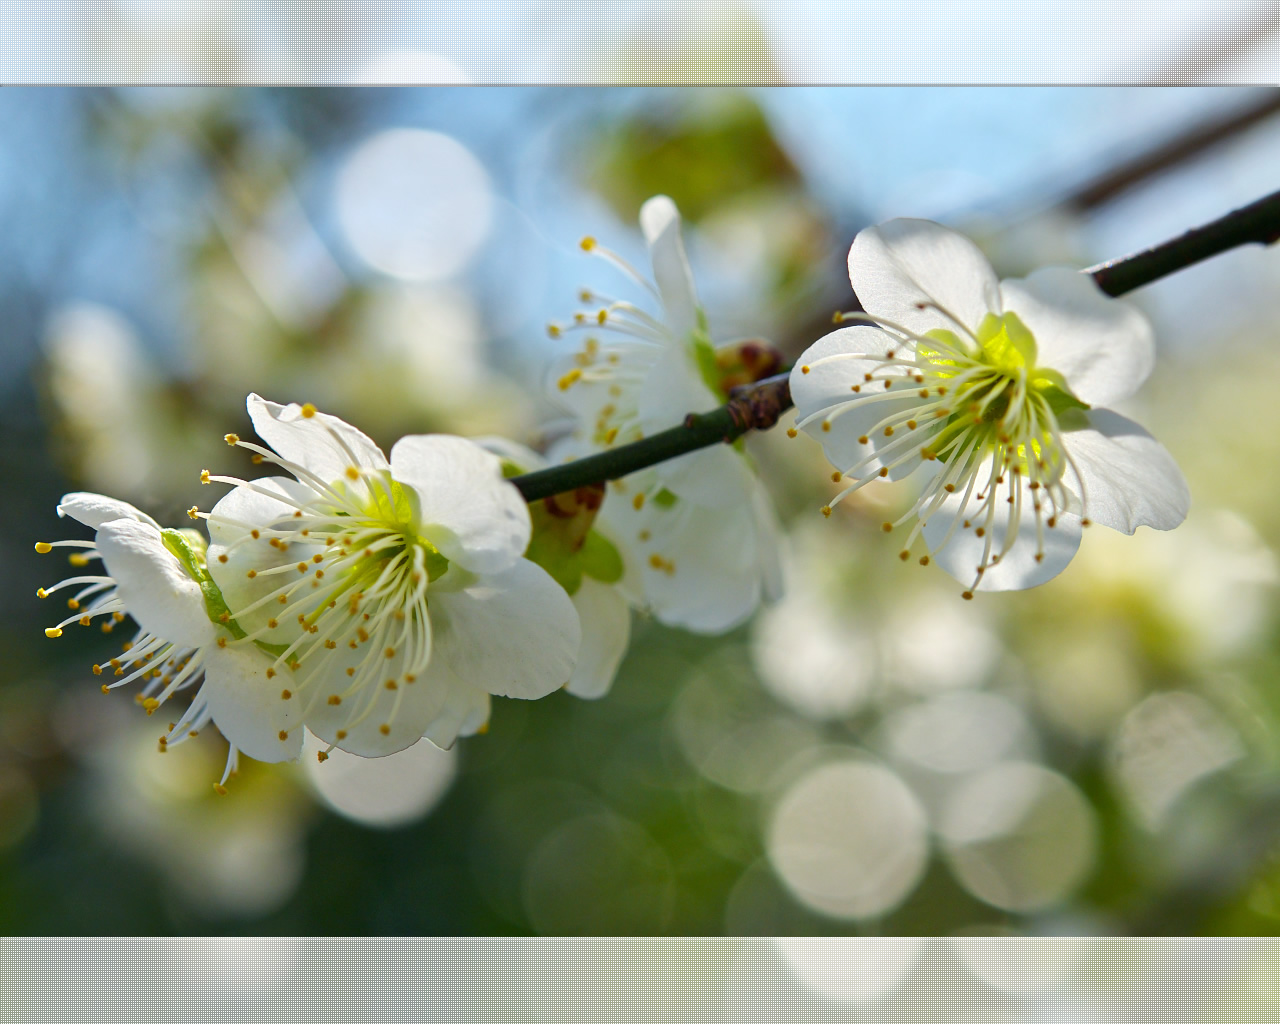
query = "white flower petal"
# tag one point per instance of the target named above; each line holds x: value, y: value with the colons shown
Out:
x: 465, y: 710
x: 606, y: 630
x: 672, y: 388
x: 514, y: 632
x: 95, y: 509
x: 248, y: 708
x: 151, y: 582
x: 895, y: 266
x: 827, y: 386
x: 407, y: 712
x: 468, y: 511
x: 235, y: 514
x: 323, y: 444
x: 660, y: 222
x: 1103, y: 347
x: 714, y: 477
x: 1018, y: 568
x: 1128, y: 477
x: 699, y: 566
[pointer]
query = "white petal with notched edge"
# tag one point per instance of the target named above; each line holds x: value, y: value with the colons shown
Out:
x: 1129, y: 478
x: 897, y: 266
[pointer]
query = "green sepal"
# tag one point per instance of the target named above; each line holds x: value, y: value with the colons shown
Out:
x: 600, y: 559
x: 1053, y: 387
x: 665, y: 499
x: 179, y: 543
x: 704, y: 356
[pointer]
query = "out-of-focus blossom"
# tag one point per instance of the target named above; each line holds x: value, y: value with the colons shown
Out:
x: 994, y: 391
x: 159, y: 578
x: 392, y: 592
x: 702, y: 523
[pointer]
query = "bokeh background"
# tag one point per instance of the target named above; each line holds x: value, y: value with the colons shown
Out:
x: 870, y: 756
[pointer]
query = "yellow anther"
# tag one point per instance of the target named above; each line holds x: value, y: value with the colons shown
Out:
x: 791, y: 432
x: 967, y: 595
x: 272, y: 623
x: 73, y: 604
x: 150, y: 703
x: 334, y: 699
x: 638, y: 502
x: 282, y: 735
x: 271, y: 673
x: 220, y: 789
x: 804, y: 369
x: 231, y: 439
x: 251, y: 573
x: 77, y: 559
x: 904, y: 555
x: 924, y: 559
x: 826, y: 426
x: 826, y: 511
x: 836, y: 477
x: 308, y: 410
x: 553, y: 330
x: 390, y: 652
x: 193, y: 512
x: 341, y: 734
x: 391, y: 684
x: 43, y: 547
x: 588, y: 243
x: 484, y: 728
x: 887, y: 527
x: 204, y: 476
x: 353, y: 473
x: 41, y: 593
x: 384, y: 729
x: 602, y: 316
x: 321, y: 756
x: 302, y: 567
x: 53, y: 632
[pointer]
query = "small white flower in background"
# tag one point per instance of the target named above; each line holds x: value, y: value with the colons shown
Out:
x: 393, y: 595
x: 157, y: 577
x: 587, y: 560
x: 993, y: 390
x: 702, y: 525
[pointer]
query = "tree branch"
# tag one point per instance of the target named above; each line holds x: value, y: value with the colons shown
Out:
x: 758, y: 406
x: 1258, y: 222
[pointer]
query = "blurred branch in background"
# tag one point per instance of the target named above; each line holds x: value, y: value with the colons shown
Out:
x: 1192, y: 143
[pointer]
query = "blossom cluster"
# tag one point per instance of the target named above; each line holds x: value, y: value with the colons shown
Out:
x: 375, y: 600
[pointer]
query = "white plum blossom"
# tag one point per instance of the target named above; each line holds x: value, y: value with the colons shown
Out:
x: 158, y: 577
x: 392, y: 594
x: 996, y: 392
x: 701, y: 525
x: 585, y: 558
